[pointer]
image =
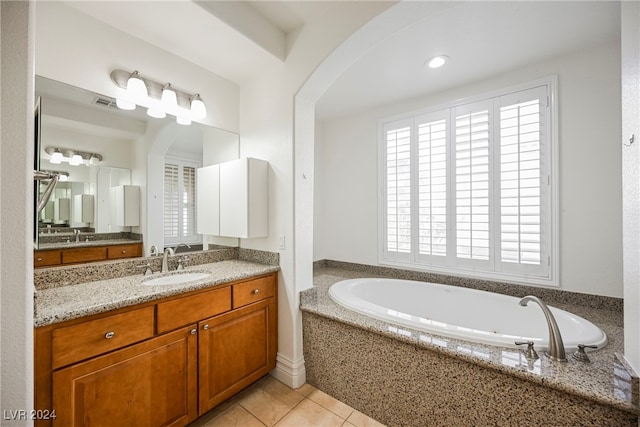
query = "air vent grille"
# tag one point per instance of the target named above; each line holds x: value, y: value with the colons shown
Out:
x: 105, y: 102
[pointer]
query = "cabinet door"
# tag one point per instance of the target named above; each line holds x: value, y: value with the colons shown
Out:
x: 235, y: 349
x: 153, y: 383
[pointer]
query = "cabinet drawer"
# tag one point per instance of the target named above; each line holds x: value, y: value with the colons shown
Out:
x: 183, y: 311
x: 44, y: 258
x: 253, y: 291
x: 70, y: 256
x: 124, y: 251
x: 87, y: 339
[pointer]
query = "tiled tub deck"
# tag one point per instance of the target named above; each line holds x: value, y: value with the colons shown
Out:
x: 404, y: 377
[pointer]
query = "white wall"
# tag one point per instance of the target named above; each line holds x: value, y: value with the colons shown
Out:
x: 631, y: 179
x: 590, y: 171
x: 266, y: 132
x: 16, y: 207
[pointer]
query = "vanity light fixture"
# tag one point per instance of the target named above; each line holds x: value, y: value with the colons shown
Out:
x: 136, y: 87
x: 159, y: 99
x: 73, y: 157
x: 437, y: 61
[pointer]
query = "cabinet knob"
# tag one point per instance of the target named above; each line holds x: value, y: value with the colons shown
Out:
x: 255, y: 291
x: 124, y: 252
x: 38, y: 259
x: 193, y: 331
x: 109, y: 335
x: 205, y: 326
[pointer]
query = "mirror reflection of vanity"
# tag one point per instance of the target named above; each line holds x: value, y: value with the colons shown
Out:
x: 109, y: 201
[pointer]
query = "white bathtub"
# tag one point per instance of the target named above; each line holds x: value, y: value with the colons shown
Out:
x: 468, y: 314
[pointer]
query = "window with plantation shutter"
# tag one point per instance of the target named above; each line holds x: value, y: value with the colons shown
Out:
x: 468, y: 188
x: 179, y: 202
x: 398, y: 189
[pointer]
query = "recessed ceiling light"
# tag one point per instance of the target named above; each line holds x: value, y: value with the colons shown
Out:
x: 437, y: 61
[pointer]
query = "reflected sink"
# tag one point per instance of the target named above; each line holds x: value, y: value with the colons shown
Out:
x: 175, y: 279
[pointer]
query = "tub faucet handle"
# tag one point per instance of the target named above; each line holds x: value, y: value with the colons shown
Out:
x: 581, y: 355
x: 530, y: 352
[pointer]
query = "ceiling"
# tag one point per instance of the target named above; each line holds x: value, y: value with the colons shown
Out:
x: 234, y: 39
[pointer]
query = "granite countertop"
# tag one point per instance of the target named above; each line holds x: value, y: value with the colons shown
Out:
x: 58, y: 304
x: 605, y: 380
x: 84, y: 244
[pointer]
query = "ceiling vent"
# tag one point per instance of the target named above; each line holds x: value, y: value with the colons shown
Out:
x: 105, y: 102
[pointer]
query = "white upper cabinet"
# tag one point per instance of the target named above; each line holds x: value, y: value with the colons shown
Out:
x: 241, y: 209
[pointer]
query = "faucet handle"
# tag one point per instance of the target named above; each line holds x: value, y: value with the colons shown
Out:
x: 530, y: 352
x: 148, y: 270
x: 581, y: 355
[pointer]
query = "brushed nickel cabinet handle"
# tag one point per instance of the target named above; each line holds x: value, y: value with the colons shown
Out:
x: 193, y: 331
x: 256, y: 291
x: 206, y: 326
x: 39, y: 259
x: 109, y: 335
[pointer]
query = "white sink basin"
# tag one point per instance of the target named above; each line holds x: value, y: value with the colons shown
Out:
x: 175, y: 279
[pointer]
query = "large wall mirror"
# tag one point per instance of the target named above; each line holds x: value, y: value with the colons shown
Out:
x: 117, y: 149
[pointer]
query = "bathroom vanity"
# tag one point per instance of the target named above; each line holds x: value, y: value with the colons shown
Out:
x: 166, y: 359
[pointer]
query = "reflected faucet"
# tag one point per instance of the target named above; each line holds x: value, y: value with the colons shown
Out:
x: 165, y: 256
x: 77, y: 233
x: 556, y: 346
x: 165, y: 266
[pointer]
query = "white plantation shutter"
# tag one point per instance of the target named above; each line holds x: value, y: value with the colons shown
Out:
x: 432, y: 184
x: 472, y: 181
x: 468, y: 188
x: 524, y: 187
x: 171, y: 182
x: 179, y: 201
x: 397, y: 188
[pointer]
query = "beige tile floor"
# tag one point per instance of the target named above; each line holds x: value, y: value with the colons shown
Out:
x: 271, y: 403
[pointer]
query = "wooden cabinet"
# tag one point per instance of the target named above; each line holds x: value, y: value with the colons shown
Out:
x: 47, y: 258
x: 161, y: 363
x: 146, y: 385
x: 52, y: 257
x: 124, y: 251
x: 235, y: 350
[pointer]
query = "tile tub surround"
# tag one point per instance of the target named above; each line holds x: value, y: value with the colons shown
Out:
x: 494, y: 384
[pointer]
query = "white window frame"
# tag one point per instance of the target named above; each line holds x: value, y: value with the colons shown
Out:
x: 195, y: 238
x: 493, y: 269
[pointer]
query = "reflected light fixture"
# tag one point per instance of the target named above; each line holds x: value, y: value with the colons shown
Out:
x: 159, y: 99
x: 437, y: 61
x: 56, y: 156
x: 73, y: 157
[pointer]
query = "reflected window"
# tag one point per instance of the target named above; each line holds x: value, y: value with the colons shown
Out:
x: 179, y: 201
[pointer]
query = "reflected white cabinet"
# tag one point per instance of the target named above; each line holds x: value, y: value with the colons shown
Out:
x: 62, y: 209
x: 241, y: 206
x: 126, y: 204
x: 83, y: 208
x: 208, y: 200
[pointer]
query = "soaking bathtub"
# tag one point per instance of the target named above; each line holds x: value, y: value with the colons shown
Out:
x: 467, y: 314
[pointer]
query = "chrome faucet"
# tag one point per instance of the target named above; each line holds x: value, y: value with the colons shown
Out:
x: 77, y: 234
x: 556, y: 346
x: 165, y: 256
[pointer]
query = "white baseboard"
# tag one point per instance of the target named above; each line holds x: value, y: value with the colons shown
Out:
x: 289, y: 372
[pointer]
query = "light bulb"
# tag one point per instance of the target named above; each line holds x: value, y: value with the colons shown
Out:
x: 437, y: 61
x: 93, y: 160
x: 136, y: 88
x: 198, y: 109
x: 169, y: 99
x: 56, y: 157
x: 63, y: 178
x: 75, y: 160
x: 123, y: 104
x: 181, y: 120
x: 156, y: 113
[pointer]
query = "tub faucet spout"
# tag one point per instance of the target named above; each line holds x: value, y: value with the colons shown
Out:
x: 556, y: 346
